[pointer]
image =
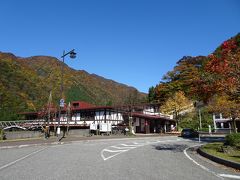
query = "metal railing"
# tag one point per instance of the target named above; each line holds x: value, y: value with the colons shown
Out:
x: 22, y: 124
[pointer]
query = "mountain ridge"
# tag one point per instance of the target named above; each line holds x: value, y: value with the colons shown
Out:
x: 25, y: 85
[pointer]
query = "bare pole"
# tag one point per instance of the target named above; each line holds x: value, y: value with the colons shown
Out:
x: 200, y: 118
x: 72, y: 55
x: 68, y: 116
x: 61, y: 95
x: 49, y: 112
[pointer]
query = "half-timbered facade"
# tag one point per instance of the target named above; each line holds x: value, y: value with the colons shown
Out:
x: 150, y: 120
x: 79, y: 114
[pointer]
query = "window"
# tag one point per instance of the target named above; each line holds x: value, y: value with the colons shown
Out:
x: 217, y: 116
x: 75, y: 105
x: 218, y: 124
x: 225, y: 125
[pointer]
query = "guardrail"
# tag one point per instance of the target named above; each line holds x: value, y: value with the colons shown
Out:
x: 22, y: 124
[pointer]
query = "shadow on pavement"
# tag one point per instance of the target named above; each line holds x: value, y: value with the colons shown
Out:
x: 171, y: 147
x: 208, y: 139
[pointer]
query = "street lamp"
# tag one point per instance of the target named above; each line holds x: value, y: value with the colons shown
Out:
x: 72, y: 55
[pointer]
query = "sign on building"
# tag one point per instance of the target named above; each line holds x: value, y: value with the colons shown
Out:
x: 93, y: 126
x: 105, y: 127
x: 61, y: 104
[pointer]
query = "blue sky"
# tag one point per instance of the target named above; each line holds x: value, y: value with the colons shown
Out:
x: 134, y: 42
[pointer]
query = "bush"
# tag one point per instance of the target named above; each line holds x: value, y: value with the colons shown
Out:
x: 204, y: 129
x: 2, y: 134
x: 233, y: 139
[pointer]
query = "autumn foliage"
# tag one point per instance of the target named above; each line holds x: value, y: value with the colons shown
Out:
x: 25, y: 84
x: 214, y: 79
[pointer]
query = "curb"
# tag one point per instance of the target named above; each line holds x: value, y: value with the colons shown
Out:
x: 70, y: 141
x: 219, y: 160
x: 31, y: 145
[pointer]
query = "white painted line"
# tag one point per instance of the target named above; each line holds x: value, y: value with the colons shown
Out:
x: 126, y: 147
x: 117, y: 147
x: 31, y: 145
x: 229, y: 176
x: 104, y: 158
x: 131, y: 145
x: 21, y: 146
x: 22, y: 158
x: 108, y: 150
x: 136, y: 143
x: 195, y: 162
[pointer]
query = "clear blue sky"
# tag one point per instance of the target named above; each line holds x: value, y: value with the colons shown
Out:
x: 134, y: 42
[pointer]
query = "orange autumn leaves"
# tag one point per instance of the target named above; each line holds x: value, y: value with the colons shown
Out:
x: 204, y: 78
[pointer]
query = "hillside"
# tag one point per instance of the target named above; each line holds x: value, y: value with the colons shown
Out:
x: 203, y: 77
x: 25, y: 84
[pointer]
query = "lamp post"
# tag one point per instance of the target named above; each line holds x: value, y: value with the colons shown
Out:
x: 72, y: 55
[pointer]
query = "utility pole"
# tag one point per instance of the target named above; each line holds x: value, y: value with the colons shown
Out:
x: 49, y: 113
x: 200, y: 118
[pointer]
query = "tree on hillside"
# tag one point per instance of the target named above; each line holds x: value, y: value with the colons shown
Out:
x: 223, y: 82
x: 162, y: 92
x: 132, y: 98
x: 176, y: 105
x: 203, y: 78
x: 151, y: 94
x: 184, y: 77
x: 225, y: 72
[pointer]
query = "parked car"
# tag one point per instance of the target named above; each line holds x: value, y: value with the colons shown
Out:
x: 189, y: 133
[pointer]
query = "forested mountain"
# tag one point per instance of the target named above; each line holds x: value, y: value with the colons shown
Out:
x: 25, y: 85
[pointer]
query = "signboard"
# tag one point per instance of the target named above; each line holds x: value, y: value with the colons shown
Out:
x: 61, y: 103
x: 142, y: 124
x: 105, y: 127
x: 58, y: 130
x: 137, y: 122
x: 93, y: 126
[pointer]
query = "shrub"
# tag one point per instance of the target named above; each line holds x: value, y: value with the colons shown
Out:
x: 204, y: 129
x: 233, y: 139
x: 2, y: 134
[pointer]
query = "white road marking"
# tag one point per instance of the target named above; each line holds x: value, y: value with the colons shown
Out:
x: 121, y: 148
x: 136, y: 143
x: 195, y: 162
x: 131, y: 145
x: 21, y: 146
x: 229, y: 176
x: 108, y: 150
x: 117, y: 147
x: 106, y: 158
x: 22, y: 158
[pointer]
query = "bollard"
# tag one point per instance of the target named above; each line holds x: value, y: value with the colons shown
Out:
x: 209, y: 129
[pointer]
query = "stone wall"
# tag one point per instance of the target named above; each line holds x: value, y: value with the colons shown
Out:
x: 22, y: 134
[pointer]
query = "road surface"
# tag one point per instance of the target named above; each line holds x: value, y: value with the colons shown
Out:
x: 148, y: 158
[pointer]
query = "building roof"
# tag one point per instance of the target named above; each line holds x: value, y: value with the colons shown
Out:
x: 87, y: 106
x: 150, y: 117
x: 81, y: 105
x: 28, y: 113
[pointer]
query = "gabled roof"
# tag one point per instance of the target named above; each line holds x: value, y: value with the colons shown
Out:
x: 81, y: 105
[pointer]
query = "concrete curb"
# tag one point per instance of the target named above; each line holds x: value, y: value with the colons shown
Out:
x: 219, y: 160
x: 52, y: 142
x: 32, y: 145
